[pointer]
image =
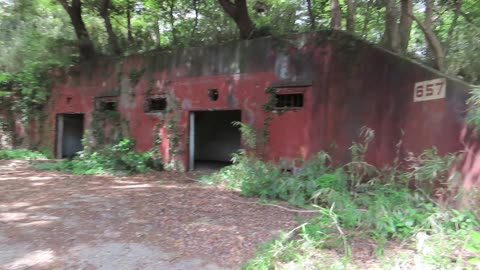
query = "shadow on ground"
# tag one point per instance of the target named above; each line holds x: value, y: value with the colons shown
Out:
x: 159, y: 220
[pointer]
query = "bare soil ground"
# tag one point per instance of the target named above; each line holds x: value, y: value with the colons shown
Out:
x: 160, y: 220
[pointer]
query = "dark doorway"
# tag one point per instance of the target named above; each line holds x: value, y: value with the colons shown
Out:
x: 69, y: 134
x: 213, y: 138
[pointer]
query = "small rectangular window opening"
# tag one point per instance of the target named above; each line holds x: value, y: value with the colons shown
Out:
x: 107, y: 105
x: 156, y: 104
x: 289, y: 100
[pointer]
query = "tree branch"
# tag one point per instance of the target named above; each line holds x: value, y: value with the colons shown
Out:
x: 432, y: 41
x: 453, y: 25
x: 311, y: 14
x: 469, y: 19
x: 228, y: 6
x: 64, y: 4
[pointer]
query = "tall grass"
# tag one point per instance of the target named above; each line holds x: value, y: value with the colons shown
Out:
x: 358, y: 200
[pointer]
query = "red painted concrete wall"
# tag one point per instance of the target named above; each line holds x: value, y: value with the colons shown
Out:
x: 372, y: 87
x: 347, y: 85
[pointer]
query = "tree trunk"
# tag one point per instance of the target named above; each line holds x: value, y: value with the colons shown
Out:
x: 311, y: 15
x: 157, y: 31
x: 195, y: 22
x: 391, y: 36
x: 351, y: 15
x: 336, y: 15
x: 112, y: 38
x: 405, y: 27
x: 434, y: 44
x: 239, y: 13
x: 129, y: 23
x: 366, y: 20
x: 171, y: 7
x: 85, y: 44
x: 457, y: 5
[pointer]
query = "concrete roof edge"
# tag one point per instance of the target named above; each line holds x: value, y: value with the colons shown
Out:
x: 286, y: 38
x: 403, y: 57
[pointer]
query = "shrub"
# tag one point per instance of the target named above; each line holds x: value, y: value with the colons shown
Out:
x: 20, y: 154
x: 255, y: 177
x: 430, y: 170
x: 355, y: 199
x: 113, y: 159
x: 473, y: 113
x: 358, y: 199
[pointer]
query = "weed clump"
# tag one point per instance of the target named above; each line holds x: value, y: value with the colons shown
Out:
x: 359, y: 200
x: 119, y: 158
x: 20, y: 154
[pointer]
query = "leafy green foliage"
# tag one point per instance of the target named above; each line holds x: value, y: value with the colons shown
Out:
x: 429, y: 166
x: 266, y: 180
x: 107, y: 127
x: 5, y: 84
x: 431, y: 171
x: 175, y: 132
x: 135, y: 76
x: 274, y: 253
x: 250, y: 135
x: 473, y: 114
x: 356, y: 200
x: 119, y: 158
x: 473, y: 245
x: 20, y: 154
x: 433, y: 247
x: 381, y: 211
x: 33, y: 41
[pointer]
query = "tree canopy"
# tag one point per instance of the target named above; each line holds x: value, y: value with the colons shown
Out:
x: 37, y: 35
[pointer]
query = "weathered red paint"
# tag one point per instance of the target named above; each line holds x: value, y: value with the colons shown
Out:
x: 347, y: 84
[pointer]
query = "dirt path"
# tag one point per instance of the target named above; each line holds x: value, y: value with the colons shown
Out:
x: 154, y: 221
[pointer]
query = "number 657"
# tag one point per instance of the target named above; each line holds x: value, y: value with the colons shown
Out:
x: 429, y: 89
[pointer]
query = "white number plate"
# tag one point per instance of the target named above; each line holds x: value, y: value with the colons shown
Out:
x: 429, y: 90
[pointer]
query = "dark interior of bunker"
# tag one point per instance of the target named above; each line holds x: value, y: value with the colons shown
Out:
x: 216, y: 138
x: 71, y: 135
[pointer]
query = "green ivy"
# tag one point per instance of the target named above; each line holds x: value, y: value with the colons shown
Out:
x: 135, y: 76
x: 20, y: 154
x: 269, y: 108
x: 157, y: 158
x: 116, y: 158
x: 473, y: 113
x: 174, y: 132
x: 107, y: 126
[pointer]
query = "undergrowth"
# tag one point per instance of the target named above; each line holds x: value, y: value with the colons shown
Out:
x: 117, y: 158
x: 359, y: 200
x: 20, y: 154
x: 473, y: 113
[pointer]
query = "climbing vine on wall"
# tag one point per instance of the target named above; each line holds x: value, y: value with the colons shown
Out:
x: 108, y: 127
x: 24, y: 94
x: 151, y: 86
x: 4, y: 133
x: 3, y: 125
x: 119, y: 68
x: 269, y: 108
x: 41, y: 142
x: 135, y: 76
x: 170, y: 121
x: 4, y: 119
x: 157, y: 139
x: 174, y: 133
x: 157, y: 157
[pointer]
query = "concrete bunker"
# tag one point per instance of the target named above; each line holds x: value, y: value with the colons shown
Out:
x: 70, y: 131
x: 213, y: 138
x: 323, y: 97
